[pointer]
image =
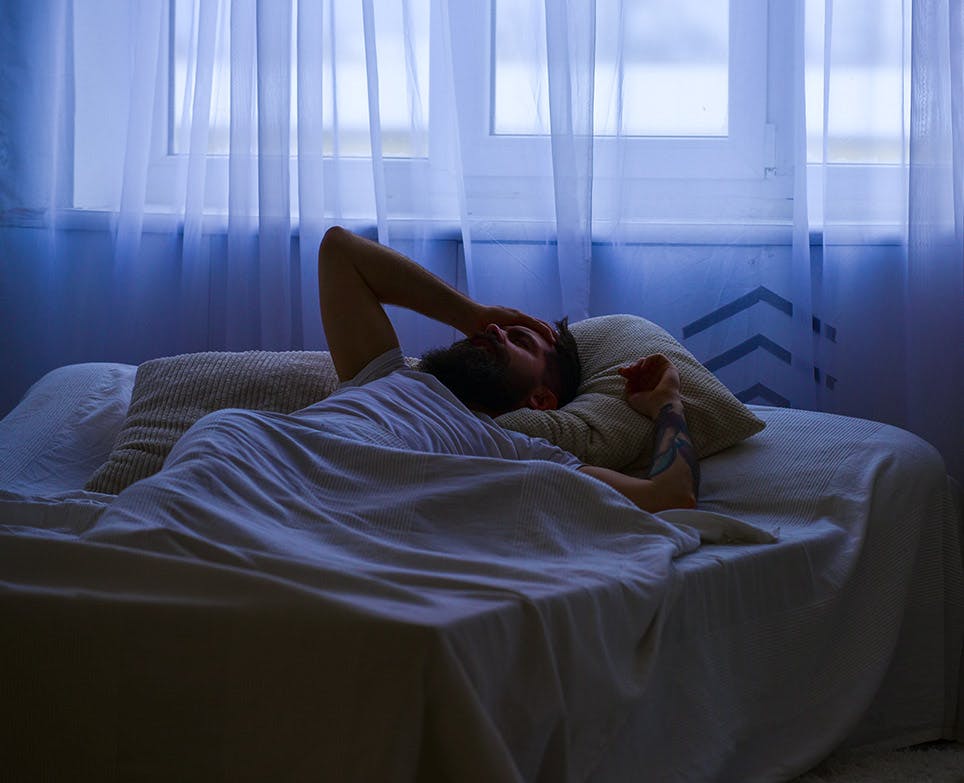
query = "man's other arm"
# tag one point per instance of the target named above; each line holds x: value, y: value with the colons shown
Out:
x: 653, y: 390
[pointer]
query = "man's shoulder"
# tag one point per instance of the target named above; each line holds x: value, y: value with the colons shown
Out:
x: 381, y: 366
x: 390, y: 370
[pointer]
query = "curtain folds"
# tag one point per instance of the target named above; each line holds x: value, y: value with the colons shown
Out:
x: 934, y: 272
x: 571, y: 61
x: 170, y: 166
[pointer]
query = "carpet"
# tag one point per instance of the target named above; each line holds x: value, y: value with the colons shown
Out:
x: 933, y: 762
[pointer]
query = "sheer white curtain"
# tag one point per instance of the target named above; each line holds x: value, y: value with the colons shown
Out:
x: 886, y: 105
x: 169, y: 168
x: 935, y: 236
x: 276, y: 119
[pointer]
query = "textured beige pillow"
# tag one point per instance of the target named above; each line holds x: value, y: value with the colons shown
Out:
x: 170, y: 394
x: 599, y: 427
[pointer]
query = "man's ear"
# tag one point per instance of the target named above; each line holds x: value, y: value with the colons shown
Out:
x: 542, y: 398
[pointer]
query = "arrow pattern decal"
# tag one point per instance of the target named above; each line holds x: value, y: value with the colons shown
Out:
x: 748, y: 346
x: 745, y: 302
x: 758, y: 391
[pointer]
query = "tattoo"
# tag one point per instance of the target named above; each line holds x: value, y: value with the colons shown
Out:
x: 672, y: 441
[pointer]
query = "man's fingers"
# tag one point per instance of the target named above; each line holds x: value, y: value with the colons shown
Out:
x: 543, y: 328
x: 509, y: 316
x: 540, y: 327
x: 645, y: 374
x: 629, y: 370
x: 639, y: 367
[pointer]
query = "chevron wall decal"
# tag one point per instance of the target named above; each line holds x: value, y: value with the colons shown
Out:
x: 758, y: 294
x: 760, y: 392
x: 746, y: 347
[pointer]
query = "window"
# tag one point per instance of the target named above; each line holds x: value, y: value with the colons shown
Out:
x: 325, y: 72
x: 857, y: 176
x: 660, y: 69
x: 870, y: 85
x: 680, y: 84
x: 685, y: 92
x: 335, y: 38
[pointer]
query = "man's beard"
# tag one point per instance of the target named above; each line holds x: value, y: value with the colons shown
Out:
x: 478, y: 377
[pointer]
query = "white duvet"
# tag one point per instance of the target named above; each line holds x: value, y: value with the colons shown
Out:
x: 281, y: 600
x: 486, y: 583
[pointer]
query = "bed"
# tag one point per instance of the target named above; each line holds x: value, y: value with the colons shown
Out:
x: 552, y: 634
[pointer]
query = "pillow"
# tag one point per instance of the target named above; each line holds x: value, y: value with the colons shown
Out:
x: 63, y: 428
x: 170, y: 394
x: 600, y: 428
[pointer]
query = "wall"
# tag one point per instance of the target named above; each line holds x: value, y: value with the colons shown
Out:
x: 58, y: 314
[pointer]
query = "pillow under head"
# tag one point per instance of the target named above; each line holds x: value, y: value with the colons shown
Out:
x: 600, y: 428
x: 170, y: 394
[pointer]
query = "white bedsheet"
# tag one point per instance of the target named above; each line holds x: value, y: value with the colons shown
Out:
x: 510, y: 622
x: 529, y: 587
x: 848, y: 634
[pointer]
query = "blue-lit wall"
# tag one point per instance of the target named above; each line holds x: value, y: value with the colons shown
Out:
x: 58, y: 314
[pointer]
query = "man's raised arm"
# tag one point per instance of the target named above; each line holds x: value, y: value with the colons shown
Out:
x: 356, y: 277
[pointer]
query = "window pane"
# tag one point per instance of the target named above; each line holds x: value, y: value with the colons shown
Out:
x: 402, y: 46
x: 869, y: 92
x: 661, y: 68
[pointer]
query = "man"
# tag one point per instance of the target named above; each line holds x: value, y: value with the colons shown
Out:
x: 509, y: 360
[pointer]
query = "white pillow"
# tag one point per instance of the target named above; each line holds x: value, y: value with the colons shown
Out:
x: 63, y: 428
x: 600, y: 428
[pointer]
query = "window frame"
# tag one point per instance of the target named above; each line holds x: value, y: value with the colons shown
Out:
x: 753, y: 172
x: 746, y: 153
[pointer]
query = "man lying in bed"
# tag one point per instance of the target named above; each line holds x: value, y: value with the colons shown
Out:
x: 509, y: 360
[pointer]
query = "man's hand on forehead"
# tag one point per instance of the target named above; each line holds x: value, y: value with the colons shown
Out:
x: 508, y: 316
x: 357, y: 278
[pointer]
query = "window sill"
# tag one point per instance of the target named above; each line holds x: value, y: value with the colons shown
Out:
x: 517, y: 231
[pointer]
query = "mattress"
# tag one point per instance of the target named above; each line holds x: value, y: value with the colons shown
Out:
x: 611, y: 646
x: 846, y: 636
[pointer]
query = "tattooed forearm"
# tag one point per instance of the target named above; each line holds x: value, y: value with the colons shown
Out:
x: 673, y: 440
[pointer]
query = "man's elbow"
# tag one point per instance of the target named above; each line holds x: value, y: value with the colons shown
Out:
x: 332, y: 252
x: 332, y: 242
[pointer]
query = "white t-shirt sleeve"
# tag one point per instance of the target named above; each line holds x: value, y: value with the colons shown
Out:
x: 543, y: 449
x: 379, y: 367
x: 526, y: 448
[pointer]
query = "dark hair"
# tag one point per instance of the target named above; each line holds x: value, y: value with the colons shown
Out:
x: 563, y: 371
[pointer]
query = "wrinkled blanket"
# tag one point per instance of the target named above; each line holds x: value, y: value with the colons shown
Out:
x: 475, y: 618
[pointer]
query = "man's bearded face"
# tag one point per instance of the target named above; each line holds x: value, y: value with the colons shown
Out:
x: 477, y: 371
